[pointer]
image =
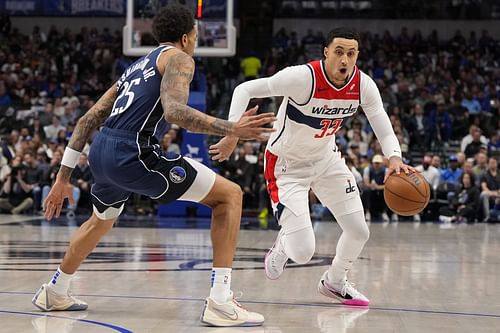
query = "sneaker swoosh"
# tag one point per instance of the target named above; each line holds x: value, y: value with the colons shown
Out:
x: 333, y: 291
x: 231, y: 315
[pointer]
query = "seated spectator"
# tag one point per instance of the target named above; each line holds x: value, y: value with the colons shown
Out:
x: 373, y: 181
x: 16, y: 193
x: 464, y: 206
x: 81, y: 178
x: 430, y: 173
x: 52, y: 130
x: 475, y: 145
x: 452, y: 174
x: 168, y: 146
x: 468, y: 138
x: 481, y: 166
x: 490, y: 186
x: 419, y: 128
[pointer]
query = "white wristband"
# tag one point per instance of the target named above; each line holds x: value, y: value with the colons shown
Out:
x: 70, y: 157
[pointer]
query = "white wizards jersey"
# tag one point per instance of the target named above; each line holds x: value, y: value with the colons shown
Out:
x: 307, y: 131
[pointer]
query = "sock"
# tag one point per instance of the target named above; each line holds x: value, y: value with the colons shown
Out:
x: 221, y: 284
x: 60, y: 282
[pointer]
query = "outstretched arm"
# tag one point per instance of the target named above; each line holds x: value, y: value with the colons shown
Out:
x: 179, y: 72
x: 294, y: 82
x: 174, y: 93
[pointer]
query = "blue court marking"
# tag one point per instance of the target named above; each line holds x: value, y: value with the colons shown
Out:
x: 92, y: 322
x: 320, y: 305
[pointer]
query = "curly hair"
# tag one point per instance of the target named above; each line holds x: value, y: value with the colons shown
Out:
x: 171, y: 22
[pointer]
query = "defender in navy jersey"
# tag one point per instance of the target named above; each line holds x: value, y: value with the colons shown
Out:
x: 302, y: 155
x: 125, y: 158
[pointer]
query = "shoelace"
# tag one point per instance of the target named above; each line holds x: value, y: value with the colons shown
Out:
x: 346, y: 285
x: 236, y: 297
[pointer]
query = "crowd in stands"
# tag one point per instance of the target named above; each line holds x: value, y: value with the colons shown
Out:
x: 442, y: 96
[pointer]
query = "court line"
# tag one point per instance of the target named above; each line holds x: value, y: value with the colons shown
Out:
x: 321, y: 305
x: 92, y: 322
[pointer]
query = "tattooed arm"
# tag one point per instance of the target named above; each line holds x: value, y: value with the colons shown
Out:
x: 178, y: 74
x: 87, y: 124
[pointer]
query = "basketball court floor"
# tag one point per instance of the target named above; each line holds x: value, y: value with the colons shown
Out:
x: 151, y: 275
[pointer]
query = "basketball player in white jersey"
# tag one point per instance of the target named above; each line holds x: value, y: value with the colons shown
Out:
x: 301, y: 155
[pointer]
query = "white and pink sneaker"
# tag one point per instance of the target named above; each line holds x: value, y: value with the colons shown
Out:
x: 344, y: 292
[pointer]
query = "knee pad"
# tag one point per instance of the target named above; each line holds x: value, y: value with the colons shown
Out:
x: 299, y: 241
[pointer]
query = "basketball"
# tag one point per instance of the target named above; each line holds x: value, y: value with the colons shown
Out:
x: 407, y: 195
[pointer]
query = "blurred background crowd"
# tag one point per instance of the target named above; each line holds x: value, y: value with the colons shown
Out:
x: 442, y: 96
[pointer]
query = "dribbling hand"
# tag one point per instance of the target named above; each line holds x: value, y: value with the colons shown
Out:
x: 396, y: 165
x: 53, y: 203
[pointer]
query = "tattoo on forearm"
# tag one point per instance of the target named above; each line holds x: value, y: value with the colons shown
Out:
x: 174, y: 92
x: 87, y: 124
x: 65, y: 172
x: 92, y: 120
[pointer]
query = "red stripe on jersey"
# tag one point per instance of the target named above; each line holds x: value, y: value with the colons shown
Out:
x: 325, y: 89
x: 272, y: 186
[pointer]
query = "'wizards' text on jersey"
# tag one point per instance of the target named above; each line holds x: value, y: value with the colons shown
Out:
x: 310, y: 128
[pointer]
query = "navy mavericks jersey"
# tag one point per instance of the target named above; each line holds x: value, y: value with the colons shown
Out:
x: 137, y: 107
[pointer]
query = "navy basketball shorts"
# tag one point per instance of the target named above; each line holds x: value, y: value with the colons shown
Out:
x: 123, y: 163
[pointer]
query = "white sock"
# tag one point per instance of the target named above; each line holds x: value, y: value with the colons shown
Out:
x: 60, y: 282
x: 221, y: 284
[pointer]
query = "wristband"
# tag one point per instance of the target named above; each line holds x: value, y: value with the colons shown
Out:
x: 70, y: 157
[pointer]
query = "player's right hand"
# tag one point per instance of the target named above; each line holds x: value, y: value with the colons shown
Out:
x: 222, y: 150
x: 53, y: 203
x: 250, y: 126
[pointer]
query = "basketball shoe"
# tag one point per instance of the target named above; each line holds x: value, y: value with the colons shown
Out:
x: 276, y: 259
x: 343, y: 291
x: 47, y: 300
x: 230, y: 313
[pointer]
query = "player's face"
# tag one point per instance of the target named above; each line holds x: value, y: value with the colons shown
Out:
x: 189, y: 42
x: 340, y: 58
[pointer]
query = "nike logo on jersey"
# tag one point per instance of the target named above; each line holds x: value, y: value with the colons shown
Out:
x: 322, y: 89
x: 333, y: 111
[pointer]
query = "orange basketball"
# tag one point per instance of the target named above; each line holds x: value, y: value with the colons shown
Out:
x: 407, y: 195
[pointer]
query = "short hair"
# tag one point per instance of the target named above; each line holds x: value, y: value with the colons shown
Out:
x: 342, y: 32
x: 172, y: 22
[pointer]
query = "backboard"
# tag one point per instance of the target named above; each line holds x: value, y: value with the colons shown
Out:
x: 214, y: 19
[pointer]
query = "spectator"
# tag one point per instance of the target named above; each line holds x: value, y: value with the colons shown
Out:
x: 373, y: 181
x: 81, y: 178
x: 465, y: 204
x: 468, y: 138
x: 420, y: 129
x: 168, y: 146
x: 473, y: 148
x: 52, y: 130
x: 490, y: 186
x: 17, y: 194
x: 251, y: 66
x: 481, y: 166
x: 452, y: 174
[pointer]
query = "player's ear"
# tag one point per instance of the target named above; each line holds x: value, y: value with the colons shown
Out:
x: 184, y: 40
x: 325, y: 51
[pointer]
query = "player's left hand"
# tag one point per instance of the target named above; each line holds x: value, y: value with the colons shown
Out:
x: 396, y: 165
x: 53, y: 203
x: 222, y: 150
